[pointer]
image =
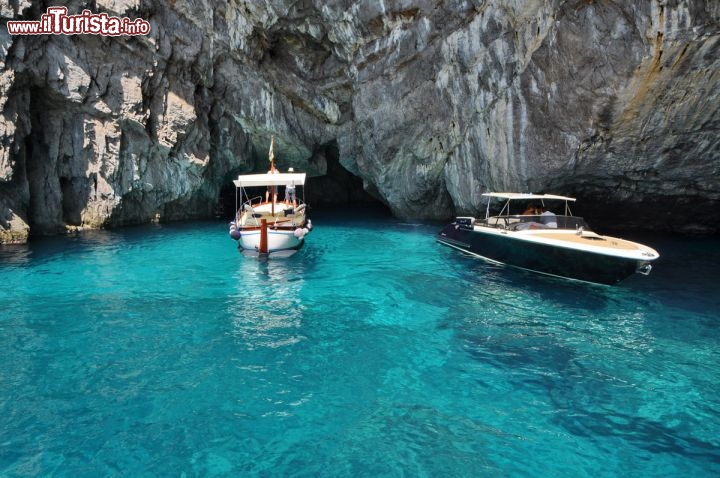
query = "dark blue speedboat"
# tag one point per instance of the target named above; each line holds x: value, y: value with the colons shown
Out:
x: 541, y: 241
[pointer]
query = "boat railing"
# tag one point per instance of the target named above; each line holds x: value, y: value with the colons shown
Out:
x: 284, y: 212
x: 518, y: 222
x: 247, y: 206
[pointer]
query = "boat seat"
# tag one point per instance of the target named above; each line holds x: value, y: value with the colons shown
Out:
x: 502, y: 221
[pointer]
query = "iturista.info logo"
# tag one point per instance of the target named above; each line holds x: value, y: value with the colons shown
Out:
x: 56, y: 21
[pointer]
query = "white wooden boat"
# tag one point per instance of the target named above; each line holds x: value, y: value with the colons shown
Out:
x: 267, y: 225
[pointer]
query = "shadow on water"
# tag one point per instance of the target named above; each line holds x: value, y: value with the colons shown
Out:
x: 687, y: 275
x: 503, y: 301
x: 686, y: 278
x: 602, y: 357
x: 514, y: 318
x: 505, y: 284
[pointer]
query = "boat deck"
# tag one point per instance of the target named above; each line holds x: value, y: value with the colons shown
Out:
x: 276, y: 219
x: 587, y: 238
x: 253, y: 217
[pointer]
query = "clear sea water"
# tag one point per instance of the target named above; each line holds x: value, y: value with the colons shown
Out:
x: 374, y: 352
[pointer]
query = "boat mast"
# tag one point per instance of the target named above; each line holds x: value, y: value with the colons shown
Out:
x: 271, y: 156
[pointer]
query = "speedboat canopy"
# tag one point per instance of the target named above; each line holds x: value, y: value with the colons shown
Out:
x: 270, y: 179
x: 527, y: 196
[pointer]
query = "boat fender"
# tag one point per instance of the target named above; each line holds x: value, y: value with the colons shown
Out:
x: 309, y: 224
x: 299, y: 232
x: 234, y: 231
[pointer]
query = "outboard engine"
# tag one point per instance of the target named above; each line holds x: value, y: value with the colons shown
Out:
x: 465, y: 222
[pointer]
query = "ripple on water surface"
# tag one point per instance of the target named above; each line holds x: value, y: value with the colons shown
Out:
x: 374, y: 351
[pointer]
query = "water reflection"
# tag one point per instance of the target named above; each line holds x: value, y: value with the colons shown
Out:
x: 516, y: 319
x: 15, y: 255
x: 266, y: 308
x: 596, y: 358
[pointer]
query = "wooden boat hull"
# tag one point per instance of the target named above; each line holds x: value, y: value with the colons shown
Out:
x: 562, y: 260
x: 277, y: 240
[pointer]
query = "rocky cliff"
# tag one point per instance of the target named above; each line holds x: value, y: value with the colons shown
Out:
x: 428, y: 102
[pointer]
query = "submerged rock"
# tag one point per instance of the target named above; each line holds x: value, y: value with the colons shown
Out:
x: 428, y: 103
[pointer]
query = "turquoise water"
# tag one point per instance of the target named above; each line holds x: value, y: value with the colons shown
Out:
x: 374, y: 351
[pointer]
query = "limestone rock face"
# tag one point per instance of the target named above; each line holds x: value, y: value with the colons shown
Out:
x: 428, y: 103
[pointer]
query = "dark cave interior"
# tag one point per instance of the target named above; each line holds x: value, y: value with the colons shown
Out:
x: 337, y: 189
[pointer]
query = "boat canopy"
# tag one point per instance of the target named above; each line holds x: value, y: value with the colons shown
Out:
x: 270, y: 179
x: 513, y: 196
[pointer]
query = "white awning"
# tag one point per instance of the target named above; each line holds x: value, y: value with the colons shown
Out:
x: 270, y: 179
x: 527, y: 196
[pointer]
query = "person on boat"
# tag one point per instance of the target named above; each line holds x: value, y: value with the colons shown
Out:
x: 273, y: 170
x: 529, y: 211
x: 290, y: 190
x: 548, y: 218
x: 534, y: 210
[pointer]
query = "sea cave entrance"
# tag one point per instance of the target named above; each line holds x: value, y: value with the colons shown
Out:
x: 338, y: 189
